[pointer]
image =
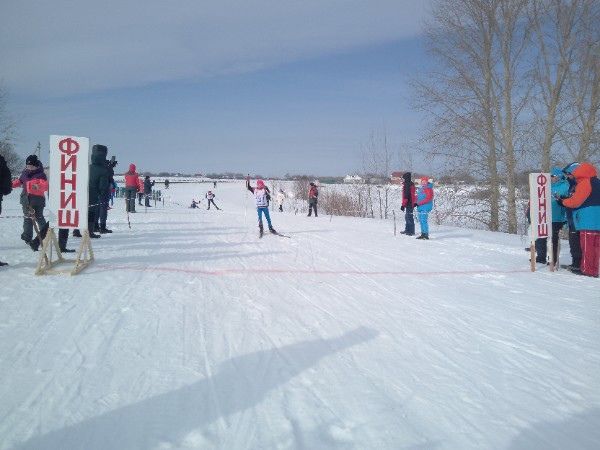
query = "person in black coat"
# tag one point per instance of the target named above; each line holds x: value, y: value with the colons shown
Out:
x: 5, y: 186
x: 98, y: 185
x: 104, y: 197
x: 409, y: 199
x: 148, y: 190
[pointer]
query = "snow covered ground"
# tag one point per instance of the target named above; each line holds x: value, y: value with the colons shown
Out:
x: 190, y: 332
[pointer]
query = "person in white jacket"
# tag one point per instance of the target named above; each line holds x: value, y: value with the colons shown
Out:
x: 279, y: 198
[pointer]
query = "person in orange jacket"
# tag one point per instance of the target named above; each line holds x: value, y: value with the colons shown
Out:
x: 132, y: 180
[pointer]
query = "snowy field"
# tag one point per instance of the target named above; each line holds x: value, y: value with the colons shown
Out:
x: 190, y: 332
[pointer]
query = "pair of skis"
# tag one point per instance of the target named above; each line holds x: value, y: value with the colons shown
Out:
x: 277, y: 233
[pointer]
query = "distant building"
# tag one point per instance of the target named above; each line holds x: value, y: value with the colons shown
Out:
x: 396, y: 177
x: 353, y: 179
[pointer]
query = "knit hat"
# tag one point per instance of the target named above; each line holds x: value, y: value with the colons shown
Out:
x: 571, y: 167
x: 556, y: 172
x: 32, y: 160
x: 424, y: 180
x: 260, y: 184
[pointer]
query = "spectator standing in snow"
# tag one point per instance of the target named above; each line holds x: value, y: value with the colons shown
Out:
x: 585, y: 205
x: 424, y: 205
x: 262, y: 196
x: 113, y: 191
x: 409, y: 199
x: 104, y: 194
x: 147, y: 190
x: 5, y: 186
x: 166, y: 184
x: 313, y: 195
x: 140, y: 191
x: 132, y: 180
x: 279, y: 198
x: 33, y: 200
x: 560, y: 189
x: 574, y: 238
x: 210, y: 197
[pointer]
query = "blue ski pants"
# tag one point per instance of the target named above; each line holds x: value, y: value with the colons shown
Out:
x: 423, y: 216
x: 260, y: 212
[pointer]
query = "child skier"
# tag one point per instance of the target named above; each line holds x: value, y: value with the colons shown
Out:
x: 262, y: 197
x: 424, y: 205
x: 210, y: 197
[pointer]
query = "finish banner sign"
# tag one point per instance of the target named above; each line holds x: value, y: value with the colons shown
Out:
x: 540, y: 205
x: 69, y: 175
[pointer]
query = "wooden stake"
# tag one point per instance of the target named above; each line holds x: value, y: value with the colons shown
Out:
x: 532, y: 256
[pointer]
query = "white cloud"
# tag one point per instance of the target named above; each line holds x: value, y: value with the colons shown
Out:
x: 65, y: 47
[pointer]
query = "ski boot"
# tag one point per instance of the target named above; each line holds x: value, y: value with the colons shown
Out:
x: 424, y: 236
x: 273, y: 231
x: 260, y: 230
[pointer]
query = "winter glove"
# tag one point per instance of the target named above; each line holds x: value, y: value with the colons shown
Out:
x: 559, y: 201
x: 402, y: 208
x: 415, y: 205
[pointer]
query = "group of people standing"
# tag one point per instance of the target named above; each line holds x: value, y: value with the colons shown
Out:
x: 575, y: 203
x: 136, y: 186
x: 101, y: 188
x: 419, y: 199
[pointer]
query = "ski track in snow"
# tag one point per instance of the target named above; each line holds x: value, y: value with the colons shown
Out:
x: 188, y: 331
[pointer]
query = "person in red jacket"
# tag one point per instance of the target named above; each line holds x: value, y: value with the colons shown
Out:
x: 33, y: 200
x: 409, y: 199
x: 132, y: 180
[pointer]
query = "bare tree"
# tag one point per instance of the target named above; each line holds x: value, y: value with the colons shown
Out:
x: 460, y: 96
x: 512, y: 37
x: 377, y: 164
x: 8, y: 129
x: 554, y: 24
x: 584, y: 80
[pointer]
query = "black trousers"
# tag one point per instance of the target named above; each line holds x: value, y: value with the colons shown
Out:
x: 103, y: 211
x: 575, y: 248
x: 312, y: 206
x: 409, y: 218
x: 63, y: 237
x: 210, y: 200
x: 541, y: 245
x: 130, y: 196
x: 92, y: 217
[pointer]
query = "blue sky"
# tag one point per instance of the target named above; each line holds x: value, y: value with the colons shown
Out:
x: 292, y: 100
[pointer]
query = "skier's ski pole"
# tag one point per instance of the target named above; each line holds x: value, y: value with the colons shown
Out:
x: 127, y: 211
x: 246, y: 203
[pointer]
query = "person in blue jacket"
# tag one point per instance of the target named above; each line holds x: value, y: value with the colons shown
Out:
x: 560, y: 189
x: 424, y: 205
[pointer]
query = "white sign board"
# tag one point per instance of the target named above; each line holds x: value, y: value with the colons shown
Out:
x: 540, y: 206
x: 69, y: 175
